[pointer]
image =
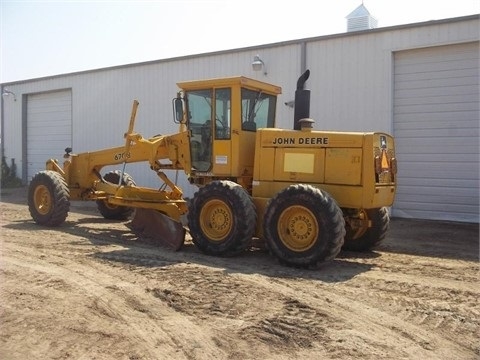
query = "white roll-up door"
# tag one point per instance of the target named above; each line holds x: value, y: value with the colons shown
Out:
x: 49, y: 128
x: 436, y: 126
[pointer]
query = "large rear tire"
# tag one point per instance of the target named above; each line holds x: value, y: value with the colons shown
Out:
x: 222, y: 218
x: 303, y: 226
x: 48, y: 198
x: 116, y: 212
x: 373, y: 235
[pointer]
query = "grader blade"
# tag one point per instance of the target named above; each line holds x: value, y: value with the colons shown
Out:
x: 159, y: 228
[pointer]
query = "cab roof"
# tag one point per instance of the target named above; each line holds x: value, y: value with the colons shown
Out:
x: 240, y: 81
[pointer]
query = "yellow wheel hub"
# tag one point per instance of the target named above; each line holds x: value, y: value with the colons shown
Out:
x: 298, y: 228
x: 216, y: 220
x: 42, y: 199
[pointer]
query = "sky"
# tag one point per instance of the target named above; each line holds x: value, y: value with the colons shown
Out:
x: 42, y: 38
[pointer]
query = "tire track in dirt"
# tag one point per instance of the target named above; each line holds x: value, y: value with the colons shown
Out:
x: 236, y: 309
x: 437, y: 268
x: 122, y: 298
x: 440, y: 294
x: 289, y: 321
x: 128, y: 305
x: 221, y: 303
x: 268, y: 320
x: 404, y: 292
x: 387, y: 322
x: 275, y: 317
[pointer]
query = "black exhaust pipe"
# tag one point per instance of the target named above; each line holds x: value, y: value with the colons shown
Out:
x: 302, y: 101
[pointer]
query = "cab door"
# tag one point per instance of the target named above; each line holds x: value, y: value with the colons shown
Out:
x: 209, y: 122
x: 222, y: 144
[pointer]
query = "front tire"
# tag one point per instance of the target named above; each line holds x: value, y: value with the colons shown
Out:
x: 48, y: 198
x: 222, y: 218
x: 303, y: 226
x: 116, y: 212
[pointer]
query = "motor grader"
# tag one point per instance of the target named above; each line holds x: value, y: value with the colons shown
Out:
x: 304, y: 194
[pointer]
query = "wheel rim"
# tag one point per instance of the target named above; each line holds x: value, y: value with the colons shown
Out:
x: 216, y: 220
x: 42, y: 200
x: 298, y: 228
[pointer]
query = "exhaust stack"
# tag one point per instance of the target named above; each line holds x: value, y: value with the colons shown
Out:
x: 302, y: 101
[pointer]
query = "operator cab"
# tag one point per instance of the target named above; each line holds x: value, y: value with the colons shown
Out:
x: 223, y: 116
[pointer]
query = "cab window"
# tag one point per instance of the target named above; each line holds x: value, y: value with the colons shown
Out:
x: 209, y: 118
x: 258, y: 110
x: 222, y: 114
x: 199, y: 107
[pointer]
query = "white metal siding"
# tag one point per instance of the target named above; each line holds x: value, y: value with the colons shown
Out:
x: 351, y: 86
x: 49, y: 128
x: 103, y: 99
x: 436, y: 126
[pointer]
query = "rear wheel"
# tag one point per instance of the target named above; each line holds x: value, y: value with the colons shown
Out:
x: 303, y: 226
x: 48, y: 198
x: 222, y: 218
x: 115, y: 212
x: 372, y: 236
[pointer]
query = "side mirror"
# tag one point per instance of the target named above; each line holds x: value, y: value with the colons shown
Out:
x: 178, y: 110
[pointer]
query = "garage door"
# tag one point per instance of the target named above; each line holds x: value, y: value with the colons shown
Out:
x: 49, y: 128
x: 436, y: 125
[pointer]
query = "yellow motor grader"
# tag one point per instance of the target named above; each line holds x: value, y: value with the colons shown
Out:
x: 305, y: 194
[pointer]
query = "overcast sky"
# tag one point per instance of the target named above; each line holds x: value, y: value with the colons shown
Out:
x: 42, y: 38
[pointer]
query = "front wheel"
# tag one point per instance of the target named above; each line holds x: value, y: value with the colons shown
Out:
x: 221, y: 218
x: 48, y: 198
x: 116, y: 212
x: 303, y: 226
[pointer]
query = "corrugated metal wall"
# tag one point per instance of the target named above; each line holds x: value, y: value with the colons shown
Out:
x: 351, y: 84
x: 102, y: 100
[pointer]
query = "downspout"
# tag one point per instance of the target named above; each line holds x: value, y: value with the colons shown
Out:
x: 303, y: 57
x: 24, y: 141
x: 2, y: 124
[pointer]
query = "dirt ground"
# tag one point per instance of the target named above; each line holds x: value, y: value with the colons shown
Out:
x: 90, y: 290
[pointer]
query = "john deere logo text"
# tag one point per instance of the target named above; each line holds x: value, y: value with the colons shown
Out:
x: 300, y: 141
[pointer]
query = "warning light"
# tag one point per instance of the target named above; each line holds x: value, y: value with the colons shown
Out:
x: 385, y: 164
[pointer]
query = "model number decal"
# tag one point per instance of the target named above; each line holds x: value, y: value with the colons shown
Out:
x: 121, y: 156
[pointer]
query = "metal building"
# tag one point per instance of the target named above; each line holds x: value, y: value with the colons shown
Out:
x: 419, y: 82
